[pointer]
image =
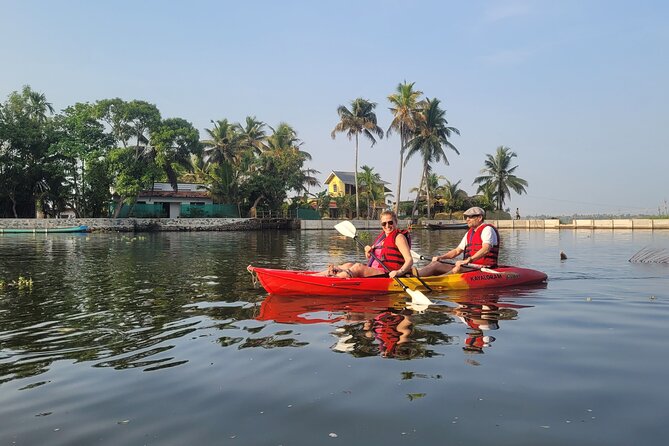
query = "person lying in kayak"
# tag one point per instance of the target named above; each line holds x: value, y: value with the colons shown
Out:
x: 480, y: 246
x: 392, y: 247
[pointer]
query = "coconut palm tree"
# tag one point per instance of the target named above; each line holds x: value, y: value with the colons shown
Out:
x: 405, y: 105
x: 224, y: 153
x: 431, y: 136
x: 452, y: 197
x: 499, y: 173
x: 370, y: 183
x: 279, y: 169
x: 360, y: 119
x: 253, y: 135
x: 225, y: 143
x: 486, y: 197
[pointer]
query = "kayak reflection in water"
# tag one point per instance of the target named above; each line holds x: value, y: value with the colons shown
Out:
x: 481, y: 319
x: 390, y: 329
x: 389, y: 333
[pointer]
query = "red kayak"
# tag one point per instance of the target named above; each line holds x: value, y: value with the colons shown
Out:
x: 278, y: 281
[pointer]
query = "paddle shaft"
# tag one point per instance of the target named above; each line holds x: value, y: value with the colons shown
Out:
x: 452, y: 262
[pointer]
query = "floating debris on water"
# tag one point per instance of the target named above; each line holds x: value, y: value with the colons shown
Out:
x: 332, y: 435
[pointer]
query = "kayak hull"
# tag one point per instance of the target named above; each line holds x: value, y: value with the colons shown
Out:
x: 82, y: 228
x: 290, y: 282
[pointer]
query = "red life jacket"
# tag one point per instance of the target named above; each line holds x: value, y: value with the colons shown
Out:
x: 385, y: 248
x: 474, y: 244
x: 385, y: 329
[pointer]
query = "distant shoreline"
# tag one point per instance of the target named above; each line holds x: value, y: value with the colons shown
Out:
x: 255, y: 224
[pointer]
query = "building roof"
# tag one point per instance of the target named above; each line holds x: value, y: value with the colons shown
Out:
x: 346, y: 177
x: 185, y: 190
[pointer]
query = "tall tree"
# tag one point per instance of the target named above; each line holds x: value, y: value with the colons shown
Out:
x: 27, y: 166
x: 372, y: 186
x: 499, y: 173
x: 486, y: 196
x: 360, y: 119
x: 173, y: 142
x: 82, y: 145
x: 452, y: 197
x: 223, y: 151
x: 431, y: 137
x: 405, y: 105
x: 131, y: 125
x: 278, y: 170
x: 253, y: 135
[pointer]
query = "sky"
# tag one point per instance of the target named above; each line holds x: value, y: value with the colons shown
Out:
x: 577, y: 89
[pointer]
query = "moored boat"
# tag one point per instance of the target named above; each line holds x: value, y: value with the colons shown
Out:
x: 441, y: 226
x: 290, y: 282
x: 81, y: 228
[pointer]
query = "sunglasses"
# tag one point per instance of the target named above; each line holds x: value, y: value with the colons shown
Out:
x: 386, y: 223
x: 471, y: 216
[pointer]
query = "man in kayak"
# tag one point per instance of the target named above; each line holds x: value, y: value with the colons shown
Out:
x: 480, y: 246
x: 392, y: 247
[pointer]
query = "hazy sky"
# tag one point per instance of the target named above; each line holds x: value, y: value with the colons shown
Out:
x: 578, y: 89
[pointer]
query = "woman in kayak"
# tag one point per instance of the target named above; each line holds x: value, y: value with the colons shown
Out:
x: 480, y: 246
x: 392, y: 247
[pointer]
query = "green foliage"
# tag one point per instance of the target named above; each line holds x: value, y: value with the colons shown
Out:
x: 430, y: 138
x: 360, y: 119
x: 405, y: 108
x: 72, y: 160
x: 173, y: 141
x: 499, y: 176
x: 26, y: 134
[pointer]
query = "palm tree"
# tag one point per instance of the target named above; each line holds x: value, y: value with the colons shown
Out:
x: 223, y: 154
x: 431, y: 136
x: 486, y: 197
x: 452, y: 197
x: 372, y: 186
x: 253, y: 135
x: 359, y: 119
x: 225, y: 143
x: 500, y: 174
x: 404, y: 108
x: 282, y: 161
x: 37, y: 106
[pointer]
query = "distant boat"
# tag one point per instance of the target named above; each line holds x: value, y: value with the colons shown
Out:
x: 440, y: 226
x: 82, y: 228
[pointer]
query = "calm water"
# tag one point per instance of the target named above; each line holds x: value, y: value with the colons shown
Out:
x: 161, y: 339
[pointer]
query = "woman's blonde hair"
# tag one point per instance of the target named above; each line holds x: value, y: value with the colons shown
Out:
x: 391, y: 213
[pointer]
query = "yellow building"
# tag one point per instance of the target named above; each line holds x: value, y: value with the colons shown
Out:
x: 343, y: 183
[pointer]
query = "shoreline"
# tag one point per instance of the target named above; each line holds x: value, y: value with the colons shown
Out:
x: 256, y: 224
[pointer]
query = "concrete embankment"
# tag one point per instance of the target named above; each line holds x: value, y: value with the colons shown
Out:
x: 642, y: 223
x: 254, y: 224
x: 152, y: 224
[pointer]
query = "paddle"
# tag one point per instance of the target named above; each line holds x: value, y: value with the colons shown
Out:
x: 347, y: 229
x: 417, y: 257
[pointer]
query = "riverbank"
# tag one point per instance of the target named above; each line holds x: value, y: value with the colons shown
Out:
x: 152, y: 224
x: 611, y: 224
x: 255, y: 224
